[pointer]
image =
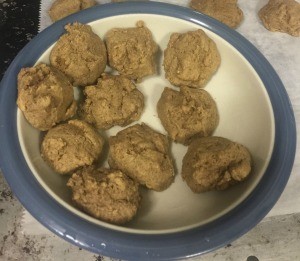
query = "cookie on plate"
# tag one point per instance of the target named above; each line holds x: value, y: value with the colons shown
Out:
x: 80, y: 54
x: 132, y: 51
x: 71, y: 145
x: 215, y: 163
x: 115, y: 100
x: 187, y: 114
x: 142, y: 154
x: 45, y: 96
x: 105, y: 194
x: 191, y: 59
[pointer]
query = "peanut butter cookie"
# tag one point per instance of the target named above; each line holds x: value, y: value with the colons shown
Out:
x: 131, y: 51
x: 105, y: 194
x: 113, y: 101
x: 191, y: 59
x: 187, y: 114
x: 142, y: 154
x: 45, y: 96
x: 70, y: 146
x: 80, y: 54
x: 63, y: 8
x: 215, y: 163
x: 281, y: 16
x: 226, y: 11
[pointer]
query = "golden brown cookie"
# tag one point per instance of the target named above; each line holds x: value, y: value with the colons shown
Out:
x: 113, y: 101
x: 63, y: 8
x: 281, y: 16
x: 215, y: 163
x: 142, y: 154
x: 105, y: 194
x: 187, y: 114
x: 191, y: 59
x: 80, y: 54
x: 45, y: 96
x: 70, y: 146
x: 226, y: 11
x: 131, y: 51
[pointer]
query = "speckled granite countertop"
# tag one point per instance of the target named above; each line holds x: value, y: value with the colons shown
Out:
x: 277, y: 237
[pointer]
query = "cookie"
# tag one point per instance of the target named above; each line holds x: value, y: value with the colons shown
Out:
x: 142, y: 154
x: 45, y: 96
x: 226, y: 11
x: 215, y: 163
x: 62, y: 8
x: 187, y: 114
x: 281, y: 16
x: 70, y: 146
x: 105, y: 194
x: 80, y: 54
x: 132, y: 51
x: 115, y: 100
x: 191, y: 59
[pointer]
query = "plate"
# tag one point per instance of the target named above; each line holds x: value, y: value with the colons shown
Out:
x: 175, y: 223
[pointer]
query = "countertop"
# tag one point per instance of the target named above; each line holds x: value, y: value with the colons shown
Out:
x: 277, y: 237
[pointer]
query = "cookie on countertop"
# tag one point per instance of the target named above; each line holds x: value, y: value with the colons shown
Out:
x: 45, y: 96
x: 115, y: 100
x: 187, y: 114
x: 226, y: 11
x: 215, y: 163
x: 281, y: 16
x: 80, y: 54
x: 191, y: 59
x: 108, y: 195
x: 62, y: 8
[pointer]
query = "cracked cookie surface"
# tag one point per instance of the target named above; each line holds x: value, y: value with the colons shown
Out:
x: 215, y: 163
x: 63, y: 8
x: 71, y: 145
x: 187, y: 114
x: 132, y: 51
x: 80, y: 54
x: 142, y: 154
x: 281, y: 16
x: 191, y: 59
x: 115, y: 100
x: 105, y: 194
x: 226, y: 11
x: 45, y: 96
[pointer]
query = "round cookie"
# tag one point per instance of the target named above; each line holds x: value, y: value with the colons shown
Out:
x: 187, y: 114
x: 191, y: 59
x: 80, y: 54
x: 113, y: 101
x: 226, y: 11
x: 63, y: 8
x: 281, y: 16
x: 70, y: 146
x: 45, y: 96
x: 215, y: 163
x: 131, y: 51
x: 105, y: 194
x: 142, y: 154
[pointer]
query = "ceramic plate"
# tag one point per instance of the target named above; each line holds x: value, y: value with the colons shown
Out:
x: 175, y: 223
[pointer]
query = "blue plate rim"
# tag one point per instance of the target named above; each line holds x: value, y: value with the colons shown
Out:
x: 129, y: 246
